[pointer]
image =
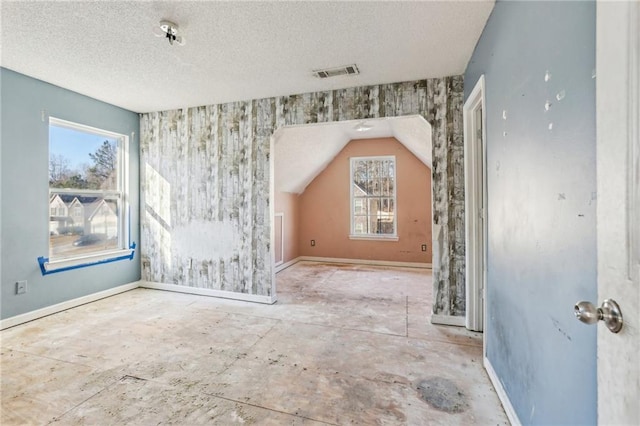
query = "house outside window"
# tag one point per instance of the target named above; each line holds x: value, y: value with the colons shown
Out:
x: 373, y: 197
x: 86, y: 191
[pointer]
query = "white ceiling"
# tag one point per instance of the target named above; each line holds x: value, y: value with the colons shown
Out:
x: 245, y: 50
x: 302, y: 152
x: 234, y: 50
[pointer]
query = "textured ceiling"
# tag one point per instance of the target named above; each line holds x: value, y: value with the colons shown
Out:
x: 245, y: 50
x: 234, y: 50
x: 302, y: 152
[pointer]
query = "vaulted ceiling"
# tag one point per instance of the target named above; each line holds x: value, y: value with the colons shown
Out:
x: 302, y: 152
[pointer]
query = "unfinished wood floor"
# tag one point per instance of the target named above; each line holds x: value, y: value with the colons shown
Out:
x: 343, y: 345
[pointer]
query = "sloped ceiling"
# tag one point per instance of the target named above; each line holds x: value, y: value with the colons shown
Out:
x: 234, y: 50
x: 302, y: 152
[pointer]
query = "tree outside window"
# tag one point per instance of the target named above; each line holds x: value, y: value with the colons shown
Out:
x: 85, y: 190
x: 373, y: 196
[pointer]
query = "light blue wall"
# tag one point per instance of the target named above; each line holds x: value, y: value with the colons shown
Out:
x: 541, y: 205
x: 24, y: 192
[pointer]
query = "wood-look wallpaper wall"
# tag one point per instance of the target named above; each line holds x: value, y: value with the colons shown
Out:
x: 205, y: 183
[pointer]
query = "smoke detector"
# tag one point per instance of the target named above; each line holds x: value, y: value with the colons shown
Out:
x: 334, y: 72
x: 169, y: 30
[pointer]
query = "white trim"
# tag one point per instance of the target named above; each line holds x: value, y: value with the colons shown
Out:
x: 209, y: 292
x: 618, y: 195
x: 633, y: 143
x: 365, y: 262
x: 69, y: 304
x: 54, y: 265
x: 272, y: 202
x: 111, y: 194
x: 374, y: 237
x: 71, y: 125
x: 353, y: 262
x: 281, y: 238
x: 124, y: 236
x: 285, y: 265
x: 502, y: 394
x: 63, y: 306
x: 475, y: 164
x: 448, y: 320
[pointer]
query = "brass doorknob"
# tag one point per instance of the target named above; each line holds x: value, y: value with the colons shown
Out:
x: 609, y: 313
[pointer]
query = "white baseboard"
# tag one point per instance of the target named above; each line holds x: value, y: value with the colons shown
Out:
x: 502, y: 394
x: 366, y: 262
x: 63, y: 306
x: 285, y: 265
x: 209, y: 292
x: 448, y: 320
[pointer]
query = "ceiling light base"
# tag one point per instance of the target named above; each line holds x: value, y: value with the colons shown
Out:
x: 169, y: 30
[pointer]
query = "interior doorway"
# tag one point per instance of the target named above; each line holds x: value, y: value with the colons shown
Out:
x: 301, y: 153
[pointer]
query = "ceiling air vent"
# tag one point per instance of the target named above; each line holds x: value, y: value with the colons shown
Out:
x: 334, y: 72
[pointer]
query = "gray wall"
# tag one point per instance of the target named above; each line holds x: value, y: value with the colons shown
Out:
x: 24, y: 192
x: 205, y: 183
x: 541, y: 205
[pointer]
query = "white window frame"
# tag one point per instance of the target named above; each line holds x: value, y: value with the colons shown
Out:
x: 121, y: 193
x: 377, y: 237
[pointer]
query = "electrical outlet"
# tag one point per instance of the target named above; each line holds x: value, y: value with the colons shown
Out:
x: 21, y: 287
x: 424, y: 247
x: 313, y: 243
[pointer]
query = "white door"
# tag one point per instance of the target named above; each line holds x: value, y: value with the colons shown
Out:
x: 618, y: 217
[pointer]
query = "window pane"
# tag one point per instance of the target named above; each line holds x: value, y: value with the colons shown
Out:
x: 374, y: 205
x: 358, y: 206
x: 373, y: 196
x: 384, y: 169
x: 85, y: 201
x: 360, y: 224
x: 376, y: 186
x: 81, y: 160
x: 95, y: 229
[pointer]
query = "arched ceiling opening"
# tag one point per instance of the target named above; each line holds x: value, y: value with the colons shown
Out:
x: 302, y: 152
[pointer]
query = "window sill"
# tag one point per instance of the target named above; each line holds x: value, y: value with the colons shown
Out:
x: 374, y: 237
x: 50, y: 267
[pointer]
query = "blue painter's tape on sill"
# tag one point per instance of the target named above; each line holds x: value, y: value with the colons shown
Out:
x: 44, y: 261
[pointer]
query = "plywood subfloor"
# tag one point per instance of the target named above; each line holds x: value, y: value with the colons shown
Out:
x: 345, y: 344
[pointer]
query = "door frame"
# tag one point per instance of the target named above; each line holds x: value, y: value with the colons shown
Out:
x: 276, y: 263
x: 618, y: 194
x: 475, y: 166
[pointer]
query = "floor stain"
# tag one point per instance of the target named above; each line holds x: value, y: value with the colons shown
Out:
x: 442, y: 394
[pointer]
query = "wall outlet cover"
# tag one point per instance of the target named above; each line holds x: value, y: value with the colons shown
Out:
x: 424, y: 247
x: 21, y: 287
x: 313, y: 243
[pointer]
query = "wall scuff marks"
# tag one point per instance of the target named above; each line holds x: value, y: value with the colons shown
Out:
x: 210, y: 166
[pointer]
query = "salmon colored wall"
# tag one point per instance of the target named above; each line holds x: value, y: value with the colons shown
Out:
x: 325, y: 208
x: 288, y: 204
